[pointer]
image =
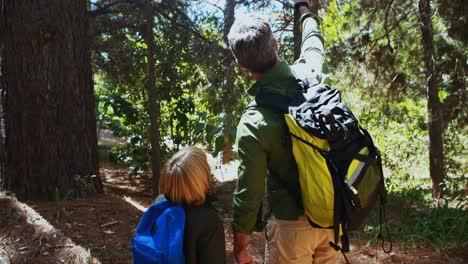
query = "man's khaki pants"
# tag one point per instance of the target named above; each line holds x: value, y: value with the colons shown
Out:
x: 298, y: 242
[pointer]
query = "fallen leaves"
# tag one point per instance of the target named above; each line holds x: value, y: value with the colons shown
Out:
x: 109, y: 223
x: 109, y: 232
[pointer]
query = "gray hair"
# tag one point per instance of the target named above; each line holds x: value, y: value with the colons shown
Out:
x: 252, y: 43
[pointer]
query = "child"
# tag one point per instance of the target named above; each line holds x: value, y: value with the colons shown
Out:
x: 185, y: 180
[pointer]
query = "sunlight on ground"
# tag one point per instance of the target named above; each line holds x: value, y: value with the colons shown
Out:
x: 33, y: 236
x: 134, y: 203
x: 34, y: 218
x: 223, y: 172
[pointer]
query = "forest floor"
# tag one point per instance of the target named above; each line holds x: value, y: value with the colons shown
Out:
x: 103, y: 225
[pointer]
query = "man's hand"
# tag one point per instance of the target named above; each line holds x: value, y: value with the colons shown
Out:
x: 303, y: 9
x: 241, y: 241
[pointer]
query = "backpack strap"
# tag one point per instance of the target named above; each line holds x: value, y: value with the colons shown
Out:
x: 252, y: 104
x: 306, y: 83
x: 382, y: 216
x: 281, y: 103
x: 276, y: 102
x: 147, y: 220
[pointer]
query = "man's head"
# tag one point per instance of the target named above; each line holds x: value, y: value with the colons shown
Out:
x: 252, y: 43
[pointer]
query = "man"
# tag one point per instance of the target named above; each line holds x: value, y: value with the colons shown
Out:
x: 264, y: 145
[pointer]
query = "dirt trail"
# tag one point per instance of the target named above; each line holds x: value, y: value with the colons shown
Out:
x: 26, y: 237
x: 361, y: 253
x: 104, y: 225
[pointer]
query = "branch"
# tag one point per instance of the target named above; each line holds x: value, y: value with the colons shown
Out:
x: 215, y: 6
x: 406, y: 16
x: 187, y: 21
x: 385, y: 25
x: 456, y: 102
x: 107, y: 8
x: 174, y: 21
x: 116, y: 25
x: 453, y: 105
x: 285, y: 4
x: 371, y: 19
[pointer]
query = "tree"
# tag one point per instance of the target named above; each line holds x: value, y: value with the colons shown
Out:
x: 2, y: 98
x: 376, y: 50
x: 121, y: 46
x: 229, y: 8
x: 153, y: 104
x: 436, y: 150
x: 51, y: 141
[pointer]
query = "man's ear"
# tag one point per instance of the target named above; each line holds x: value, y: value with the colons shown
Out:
x: 276, y: 46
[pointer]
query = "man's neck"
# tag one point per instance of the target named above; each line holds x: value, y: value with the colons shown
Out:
x: 258, y: 75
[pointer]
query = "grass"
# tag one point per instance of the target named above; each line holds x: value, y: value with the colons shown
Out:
x: 89, y: 256
x: 415, y: 218
x: 439, y: 226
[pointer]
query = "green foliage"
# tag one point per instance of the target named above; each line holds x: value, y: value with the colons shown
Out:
x: 81, y: 185
x: 125, y: 114
x: 456, y: 154
x: 60, y: 204
x: 195, y: 101
x: 89, y: 256
x: 414, y: 217
x: 378, y: 65
x: 376, y: 57
x: 438, y: 226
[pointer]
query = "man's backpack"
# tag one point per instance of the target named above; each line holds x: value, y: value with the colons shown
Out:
x: 159, y: 236
x: 340, y: 170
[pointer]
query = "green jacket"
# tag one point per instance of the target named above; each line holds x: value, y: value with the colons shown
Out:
x: 264, y: 144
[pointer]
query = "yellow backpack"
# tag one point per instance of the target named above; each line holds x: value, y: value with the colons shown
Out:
x: 340, y: 170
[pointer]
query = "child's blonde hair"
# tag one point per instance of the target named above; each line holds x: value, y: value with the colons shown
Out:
x: 186, y: 177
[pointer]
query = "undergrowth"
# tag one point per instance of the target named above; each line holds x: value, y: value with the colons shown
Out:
x: 415, y: 218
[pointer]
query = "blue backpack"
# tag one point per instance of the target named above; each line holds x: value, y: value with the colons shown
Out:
x: 165, y: 246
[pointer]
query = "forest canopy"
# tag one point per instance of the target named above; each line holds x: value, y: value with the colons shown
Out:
x: 96, y: 95
x: 374, y: 49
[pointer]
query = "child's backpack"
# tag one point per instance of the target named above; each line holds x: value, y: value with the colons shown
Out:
x: 159, y: 236
x: 340, y: 170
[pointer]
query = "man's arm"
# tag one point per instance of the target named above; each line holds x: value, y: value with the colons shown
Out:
x: 250, y: 190
x: 312, y: 62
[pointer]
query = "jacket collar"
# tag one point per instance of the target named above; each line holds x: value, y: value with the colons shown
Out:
x: 279, y: 80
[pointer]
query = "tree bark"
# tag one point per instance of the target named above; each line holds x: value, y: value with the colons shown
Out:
x: 153, y: 104
x: 2, y: 97
x: 297, y: 34
x: 436, y: 150
x: 229, y: 9
x: 50, y: 108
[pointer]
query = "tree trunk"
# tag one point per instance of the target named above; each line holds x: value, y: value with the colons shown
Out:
x: 2, y: 97
x: 436, y: 150
x: 153, y: 104
x: 229, y: 9
x: 297, y: 34
x: 50, y: 106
